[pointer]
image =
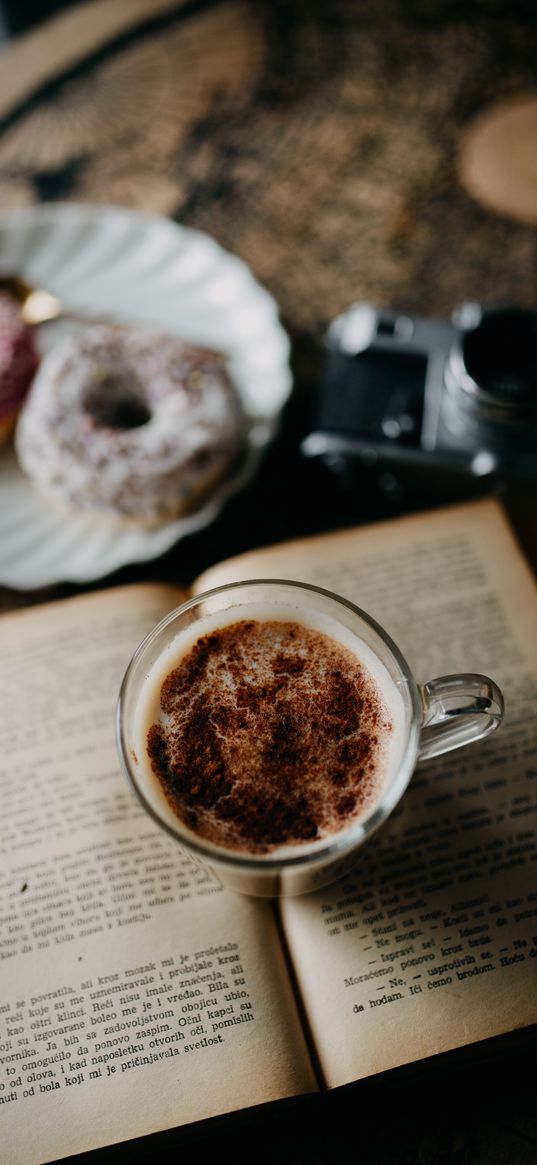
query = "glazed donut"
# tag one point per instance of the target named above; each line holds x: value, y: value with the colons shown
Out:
x: 127, y: 424
x: 18, y: 362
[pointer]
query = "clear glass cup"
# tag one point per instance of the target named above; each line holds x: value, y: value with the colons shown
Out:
x: 439, y: 716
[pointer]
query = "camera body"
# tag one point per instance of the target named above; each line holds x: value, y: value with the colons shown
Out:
x: 455, y: 396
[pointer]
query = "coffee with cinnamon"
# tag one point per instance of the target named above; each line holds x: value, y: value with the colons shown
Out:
x: 267, y: 733
x: 272, y: 727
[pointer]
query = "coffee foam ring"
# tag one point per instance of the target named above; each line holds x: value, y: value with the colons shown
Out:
x: 497, y: 161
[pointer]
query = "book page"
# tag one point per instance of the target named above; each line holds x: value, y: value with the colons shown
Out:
x: 430, y: 944
x: 136, y: 993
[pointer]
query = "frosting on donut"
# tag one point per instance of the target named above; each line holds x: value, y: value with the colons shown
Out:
x: 18, y: 362
x: 127, y: 423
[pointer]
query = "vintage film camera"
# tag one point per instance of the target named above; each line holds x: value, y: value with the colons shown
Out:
x: 411, y: 397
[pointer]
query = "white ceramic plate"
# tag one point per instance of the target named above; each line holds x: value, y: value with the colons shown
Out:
x: 108, y: 262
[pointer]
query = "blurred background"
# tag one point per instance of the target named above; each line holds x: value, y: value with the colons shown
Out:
x: 342, y: 150
x: 347, y: 151
x: 320, y: 142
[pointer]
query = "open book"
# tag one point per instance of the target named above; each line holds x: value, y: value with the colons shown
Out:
x: 136, y: 993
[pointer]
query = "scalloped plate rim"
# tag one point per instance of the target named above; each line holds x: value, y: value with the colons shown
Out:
x: 132, y: 545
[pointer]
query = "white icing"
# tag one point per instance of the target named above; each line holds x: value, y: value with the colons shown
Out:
x: 146, y: 473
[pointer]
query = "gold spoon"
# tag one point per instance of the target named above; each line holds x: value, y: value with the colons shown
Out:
x: 37, y: 306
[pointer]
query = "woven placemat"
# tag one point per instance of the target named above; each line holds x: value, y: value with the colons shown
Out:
x: 318, y: 141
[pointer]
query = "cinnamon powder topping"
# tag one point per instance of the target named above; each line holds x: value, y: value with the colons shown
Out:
x: 271, y: 733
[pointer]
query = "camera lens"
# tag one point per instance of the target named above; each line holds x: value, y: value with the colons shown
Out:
x: 500, y: 359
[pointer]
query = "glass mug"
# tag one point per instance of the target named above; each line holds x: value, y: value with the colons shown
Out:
x: 437, y: 717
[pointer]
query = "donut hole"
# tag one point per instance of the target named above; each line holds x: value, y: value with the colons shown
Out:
x: 114, y: 405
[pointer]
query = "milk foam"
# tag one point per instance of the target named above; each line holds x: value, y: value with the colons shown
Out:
x: 149, y: 711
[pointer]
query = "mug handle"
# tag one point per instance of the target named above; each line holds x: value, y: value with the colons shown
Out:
x: 456, y: 711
